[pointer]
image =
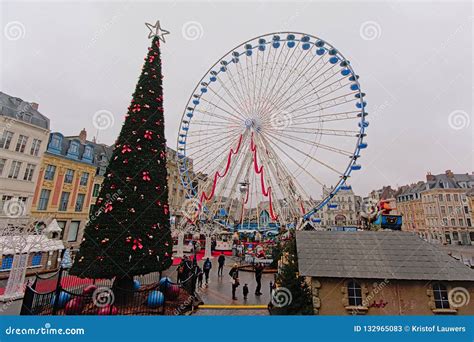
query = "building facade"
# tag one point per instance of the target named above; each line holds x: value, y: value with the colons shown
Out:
x: 440, y: 208
x: 65, y: 186
x: 23, y: 139
x: 343, y: 210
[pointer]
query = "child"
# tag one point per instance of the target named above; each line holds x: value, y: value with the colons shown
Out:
x: 246, y: 291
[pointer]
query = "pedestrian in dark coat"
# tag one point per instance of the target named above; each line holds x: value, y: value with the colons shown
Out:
x: 258, y: 278
x: 221, y: 262
x: 207, y: 268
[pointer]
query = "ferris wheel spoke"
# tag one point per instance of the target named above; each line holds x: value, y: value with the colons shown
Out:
x: 294, y: 67
x: 313, y: 89
x: 333, y: 102
x: 307, y: 155
x: 345, y: 115
x: 277, y: 98
x: 271, y: 99
x: 234, y: 100
x: 279, y: 73
x: 283, y: 175
x: 300, y: 166
x: 227, y: 143
x: 242, y: 116
x: 316, y: 144
x: 239, y: 90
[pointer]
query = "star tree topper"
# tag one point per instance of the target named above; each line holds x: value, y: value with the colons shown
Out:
x: 157, y: 31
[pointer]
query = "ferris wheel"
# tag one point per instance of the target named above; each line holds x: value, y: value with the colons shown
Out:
x: 268, y: 125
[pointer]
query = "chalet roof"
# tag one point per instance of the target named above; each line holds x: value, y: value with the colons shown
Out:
x: 375, y: 255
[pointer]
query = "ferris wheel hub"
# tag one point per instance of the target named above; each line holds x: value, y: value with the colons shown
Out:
x: 252, y: 123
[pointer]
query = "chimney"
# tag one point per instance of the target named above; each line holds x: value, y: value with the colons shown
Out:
x: 449, y: 173
x: 83, y: 136
x: 34, y: 105
x: 430, y: 177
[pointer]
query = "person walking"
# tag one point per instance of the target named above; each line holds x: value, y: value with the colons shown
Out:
x: 221, y: 262
x: 245, y: 291
x: 258, y: 278
x: 207, y: 268
x: 200, y: 275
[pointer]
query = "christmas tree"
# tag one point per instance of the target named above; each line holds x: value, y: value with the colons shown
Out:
x: 129, y: 231
x: 289, y: 278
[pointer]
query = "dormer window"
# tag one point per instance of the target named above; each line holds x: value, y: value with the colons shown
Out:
x: 73, y: 150
x: 55, y: 143
x: 87, y: 153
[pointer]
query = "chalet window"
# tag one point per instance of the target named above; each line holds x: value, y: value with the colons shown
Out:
x: 440, y: 293
x: 7, y: 262
x: 354, y: 293
x: 69, y: 176
x: 50, y: 171
x: 36, y: 260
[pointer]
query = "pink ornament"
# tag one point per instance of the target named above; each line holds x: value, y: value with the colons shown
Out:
x: 108, y: 310
x: 126, y: 149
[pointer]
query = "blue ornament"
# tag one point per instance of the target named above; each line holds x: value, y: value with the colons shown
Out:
x: 155, y: 299
x: 165, y: 282
x: 64, y: 297
x: 136, y: 284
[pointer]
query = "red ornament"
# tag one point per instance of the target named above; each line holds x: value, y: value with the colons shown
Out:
x: 108, y: 310
x: 89, y: 290
x: 146, y: 176
x: 108, y: 207
x: 126, y: 149
x: 148, y: 135
x: 165, y: 209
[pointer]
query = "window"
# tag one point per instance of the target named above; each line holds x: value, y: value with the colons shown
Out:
x: 96, y: 190
x: 456, y: 197
x: 35, y: 146
x: 21, y: 143
x: 448, y: 197
x: 36, y: 260
x: 461, y: 222
x: 80, y: 202
x: 445, y: 221
x: 354, y: 293
x: 440, y: 197
x: 440, y: 294
x: 6, y: 139
x: 2, y: 165
x: 450, y: 210
x: 455, y: 236
x: 30, y: 170
x: 14, y: 169
x: 5, y: 198
x: 50, y: 171
x: 87, y: 153
x: 44, y: 198
x: 62, y: 225
x: 64, y: 201
x: 453, y: 222
x: 7, y: 262
x: 469, y: 223
x: 56, y: 141
x: 68, y: 176
x: 73, y: 149
x: 84, y: 179
x: 443, y: 210
x: 73, y: 231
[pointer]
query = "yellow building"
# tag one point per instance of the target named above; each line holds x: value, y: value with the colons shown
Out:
x: 69, y: 173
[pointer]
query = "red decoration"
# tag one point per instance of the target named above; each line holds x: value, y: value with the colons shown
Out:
x: 74, y: 306
x: 108, y: 310
x: 137, y: 243
x: 146, y: 176
x: 148, y: 135
x: 126, y: 149
x: 108, y: 207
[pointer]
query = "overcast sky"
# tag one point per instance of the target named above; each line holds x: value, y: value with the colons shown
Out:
x: 414, y: 60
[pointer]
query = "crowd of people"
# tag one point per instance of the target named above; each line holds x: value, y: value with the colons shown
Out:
x: 190, y: 275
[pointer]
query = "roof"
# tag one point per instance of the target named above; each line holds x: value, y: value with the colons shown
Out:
x: 18, y: 109
x: 375, y: 255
